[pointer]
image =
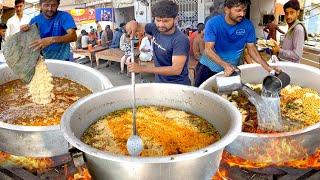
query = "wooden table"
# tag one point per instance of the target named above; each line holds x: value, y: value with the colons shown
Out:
x: 112, y: 54
x: 90, y: 53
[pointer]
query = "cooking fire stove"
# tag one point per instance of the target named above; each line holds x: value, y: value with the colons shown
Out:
x: 63, y: 167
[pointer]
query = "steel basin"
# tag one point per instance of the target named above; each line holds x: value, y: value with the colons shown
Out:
x: 201, y: 164
x: 46, y: 141
x: 307, y: 138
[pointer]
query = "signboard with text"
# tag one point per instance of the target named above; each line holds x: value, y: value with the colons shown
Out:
x: 82, y: 14
x: 103, y: 14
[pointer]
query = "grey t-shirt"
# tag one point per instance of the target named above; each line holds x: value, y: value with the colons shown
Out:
x: 292, y: 47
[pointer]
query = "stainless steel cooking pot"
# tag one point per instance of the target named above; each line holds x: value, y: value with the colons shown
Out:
x: 201, y: 164
x: 46, y: 141
x: 245, y: 146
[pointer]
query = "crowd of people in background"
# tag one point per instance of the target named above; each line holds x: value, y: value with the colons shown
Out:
x: 216, y: 44
x: 106, y: 38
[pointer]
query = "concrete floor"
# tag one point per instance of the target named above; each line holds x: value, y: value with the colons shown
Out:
x: 113, y: 73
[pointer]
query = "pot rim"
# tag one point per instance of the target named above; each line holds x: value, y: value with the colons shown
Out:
x: 104, y: 81
x: 230, y: 136
x: 274, y: 135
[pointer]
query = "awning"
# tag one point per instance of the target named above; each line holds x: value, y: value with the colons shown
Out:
x: 96, y: 2
x: 122, y: 3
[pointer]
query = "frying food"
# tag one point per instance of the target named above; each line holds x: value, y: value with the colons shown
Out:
x: 300, y: 107
x: 17, y: 107
x: 164, y: 131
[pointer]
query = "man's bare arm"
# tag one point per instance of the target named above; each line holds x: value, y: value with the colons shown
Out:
x: 228, y: 68
x: 282, y: 32
x: 176, y: 68
x: 71, y: 36
x: 253, y: 52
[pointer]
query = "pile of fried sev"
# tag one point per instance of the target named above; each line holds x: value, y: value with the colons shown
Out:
x: 164, y: 131
x: 300, y: 104
x: 41, y: 86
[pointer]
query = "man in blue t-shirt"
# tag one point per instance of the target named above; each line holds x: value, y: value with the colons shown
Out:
x: 57, y: 29
x: 170, y: 45
x: 226, y: 36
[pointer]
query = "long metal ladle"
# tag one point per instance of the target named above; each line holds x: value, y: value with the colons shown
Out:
x: 134, y: 143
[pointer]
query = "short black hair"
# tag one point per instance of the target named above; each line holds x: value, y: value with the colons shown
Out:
x: 3, y: 26
x: 122, y: 24
x: 41, y: 1
x: 16, y: 2
x: 199, y: 24
x: 200, y: 27
x: 83, y: 32
x: 294, y: 4
x: 236, y: 3
x: 165, y: 9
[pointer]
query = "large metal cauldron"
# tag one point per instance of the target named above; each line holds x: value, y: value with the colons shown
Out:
x: 46, y: 141
x: 270, y: 144
x: 201, y: 164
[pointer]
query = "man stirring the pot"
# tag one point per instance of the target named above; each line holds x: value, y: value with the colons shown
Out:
x: 57, y: 30
x: 226, y: 36
x: 170, y: 45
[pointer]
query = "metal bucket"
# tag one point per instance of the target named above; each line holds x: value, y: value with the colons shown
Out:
x: 229, y: 83
x: 201, y: 164
x: 274, y: 83
x: 302, y: 75
x: 46, y: 141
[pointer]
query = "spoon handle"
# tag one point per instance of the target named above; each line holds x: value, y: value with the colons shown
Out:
x: 133, y: 82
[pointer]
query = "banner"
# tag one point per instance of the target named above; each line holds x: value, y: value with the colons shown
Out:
x: 103, y: 14
x: 82, y: 14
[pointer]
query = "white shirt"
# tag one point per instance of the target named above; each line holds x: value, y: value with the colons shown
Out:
x: 84, y: 41
x: 14, y: 24
x: 146, y: 44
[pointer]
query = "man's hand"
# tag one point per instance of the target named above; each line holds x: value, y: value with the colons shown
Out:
x: 134, y: 67
x: 269, y: 68
x: 25, y: 27
x: 228, y: 69
x: 275, y: 46
x: 131, y: 28
x: 41, y: 43
x: 277, y: 69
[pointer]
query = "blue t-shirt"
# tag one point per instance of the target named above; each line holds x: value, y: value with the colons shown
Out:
x: 166, y: 46
x: 56, y: 26
x: 230, y: 40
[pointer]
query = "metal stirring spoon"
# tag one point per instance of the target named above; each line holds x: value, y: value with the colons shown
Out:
x: 134, y: 143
